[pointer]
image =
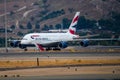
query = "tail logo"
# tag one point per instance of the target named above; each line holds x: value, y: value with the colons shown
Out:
x: 72, y: 31
x: 72, y: 28
x: 76, y: 19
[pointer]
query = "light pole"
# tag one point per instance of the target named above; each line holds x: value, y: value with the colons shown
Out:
x: 5, y: 27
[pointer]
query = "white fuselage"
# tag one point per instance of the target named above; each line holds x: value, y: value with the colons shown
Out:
x: 46, y: 38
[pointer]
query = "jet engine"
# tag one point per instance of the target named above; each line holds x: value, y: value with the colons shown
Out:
x: 14, y: 43
x: 63, y: 44
x: 84, y: 43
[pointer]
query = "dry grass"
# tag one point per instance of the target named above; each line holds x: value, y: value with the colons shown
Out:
x: 55, y: 62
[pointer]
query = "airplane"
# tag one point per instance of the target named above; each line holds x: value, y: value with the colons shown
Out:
x: 55, y: 41
x: 52, y: 41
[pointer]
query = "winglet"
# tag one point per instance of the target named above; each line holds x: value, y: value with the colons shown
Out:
x: 40, y: 47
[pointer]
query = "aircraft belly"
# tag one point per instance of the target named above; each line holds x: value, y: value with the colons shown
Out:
x: 55, y: 44
x: 48, y: 43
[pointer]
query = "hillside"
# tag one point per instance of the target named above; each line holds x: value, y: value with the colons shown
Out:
x: 51, y: 12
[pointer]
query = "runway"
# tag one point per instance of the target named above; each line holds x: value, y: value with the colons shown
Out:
x: 70, y: 77
x: 82, y: 73
x: 59, y: 55
x: 94, y: 72
x: 76, y: 51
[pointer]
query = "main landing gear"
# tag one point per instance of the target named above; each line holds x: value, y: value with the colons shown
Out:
x: 54, y: 49
x: 25, y: 49
x: 48, y: 49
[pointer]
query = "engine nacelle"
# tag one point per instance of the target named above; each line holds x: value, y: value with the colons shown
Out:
x: 14, y: 43
x: 63, y: 44
x: 84, y: 43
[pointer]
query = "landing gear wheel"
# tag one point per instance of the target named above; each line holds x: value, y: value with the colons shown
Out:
x: 56, y: 49
x: 47, y: 49
x: 25, y: 49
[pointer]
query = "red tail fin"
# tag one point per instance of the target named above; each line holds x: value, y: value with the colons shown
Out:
x: 72, y: 28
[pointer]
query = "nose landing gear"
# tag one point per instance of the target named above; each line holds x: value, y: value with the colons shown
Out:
x: 25, y: 49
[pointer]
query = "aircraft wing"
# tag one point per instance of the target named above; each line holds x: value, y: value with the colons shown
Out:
x: 13, y: 40
x: 88, y: 36
x: 98, y: 39
x: 104, y: 39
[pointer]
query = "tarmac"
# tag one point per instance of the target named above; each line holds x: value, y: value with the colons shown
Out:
x: 91, y: 72
x: 64, y: 73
